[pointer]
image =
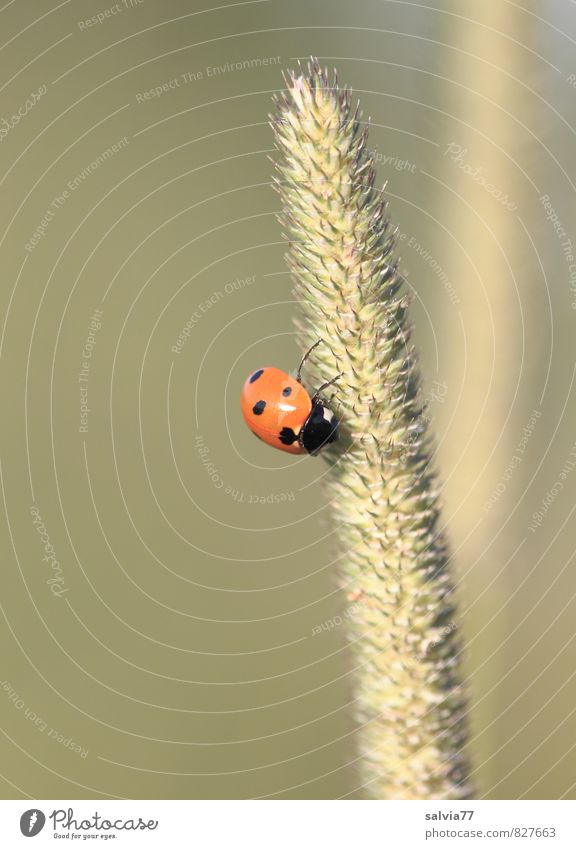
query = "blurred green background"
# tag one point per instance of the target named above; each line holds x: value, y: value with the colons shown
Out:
x: 173, y: 654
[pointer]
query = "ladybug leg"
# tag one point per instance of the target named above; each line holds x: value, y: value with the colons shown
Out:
x: 304, y: 358
x: 334, y: 394
x: 324, y: 385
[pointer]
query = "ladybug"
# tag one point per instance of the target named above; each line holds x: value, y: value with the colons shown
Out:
x: 279, y: 410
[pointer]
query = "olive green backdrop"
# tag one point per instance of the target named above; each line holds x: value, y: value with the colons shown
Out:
x: 164, y: 574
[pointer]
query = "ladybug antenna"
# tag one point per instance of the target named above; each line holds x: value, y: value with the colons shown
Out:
x: 324, y: 385
x: 304, y: 358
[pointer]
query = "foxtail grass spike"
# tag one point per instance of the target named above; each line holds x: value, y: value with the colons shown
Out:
x: 410, y: 710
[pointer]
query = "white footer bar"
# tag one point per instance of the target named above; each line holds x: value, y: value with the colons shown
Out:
x: 297, y: 824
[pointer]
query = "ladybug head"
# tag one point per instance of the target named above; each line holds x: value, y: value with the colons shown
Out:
x: 319, y: 429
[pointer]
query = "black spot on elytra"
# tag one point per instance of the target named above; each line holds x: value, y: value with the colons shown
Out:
x: 259, y: 408
x: 287, y: 391
x: 254, y: 377
x: 287, y: 436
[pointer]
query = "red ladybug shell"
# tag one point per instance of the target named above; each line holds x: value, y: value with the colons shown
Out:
x: 275, y: 407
